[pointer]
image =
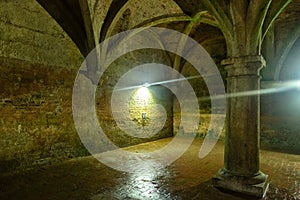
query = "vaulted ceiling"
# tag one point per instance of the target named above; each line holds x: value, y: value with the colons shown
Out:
x: 74, y: 18
x: 280, y: 28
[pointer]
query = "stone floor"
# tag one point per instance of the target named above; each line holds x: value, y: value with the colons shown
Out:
x: 187, y: 178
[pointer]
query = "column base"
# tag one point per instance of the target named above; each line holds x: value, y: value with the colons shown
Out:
x: 256, y: 185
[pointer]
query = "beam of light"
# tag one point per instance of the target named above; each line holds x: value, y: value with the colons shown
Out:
x: 157, y: 83
x: 278, y: 87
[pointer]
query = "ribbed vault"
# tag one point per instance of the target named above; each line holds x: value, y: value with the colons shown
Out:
x: 75, y: 19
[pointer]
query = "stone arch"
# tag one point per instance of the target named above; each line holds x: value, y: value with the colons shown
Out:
x: 287, y: 68
x: 74, y: 18
x: 114, y: 13
x: 284, y: 54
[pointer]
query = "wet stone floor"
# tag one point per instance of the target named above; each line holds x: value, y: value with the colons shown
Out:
x: 187, y: 178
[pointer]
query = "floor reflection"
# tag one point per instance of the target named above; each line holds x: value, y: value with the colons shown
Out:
x: 187, y: 178
x: 145, y: 183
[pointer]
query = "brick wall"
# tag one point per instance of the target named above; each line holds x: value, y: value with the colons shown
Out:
x: 280, y: 128
x: 36, y: 123
x: 38, y: 64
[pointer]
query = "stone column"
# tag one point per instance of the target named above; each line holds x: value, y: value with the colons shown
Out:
x: 241, y: 162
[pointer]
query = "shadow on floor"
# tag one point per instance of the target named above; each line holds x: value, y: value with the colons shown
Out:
x: 206, y: 191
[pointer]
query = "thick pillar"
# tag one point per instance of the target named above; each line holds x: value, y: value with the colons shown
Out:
x: 241, y: 164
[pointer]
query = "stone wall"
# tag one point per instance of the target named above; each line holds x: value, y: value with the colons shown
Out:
x: 280, y: 110
x: 38, y: 63
x: 132, y: 103
x: 36, y: 125
x: 155, y: 124
x: 280, y: 127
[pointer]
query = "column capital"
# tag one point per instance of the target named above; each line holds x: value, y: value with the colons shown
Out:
x: 244, y: 65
